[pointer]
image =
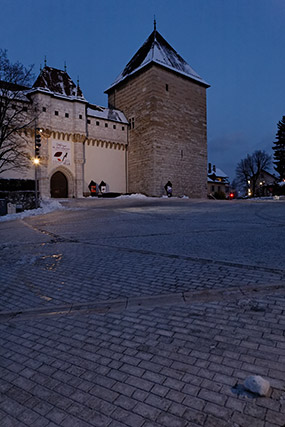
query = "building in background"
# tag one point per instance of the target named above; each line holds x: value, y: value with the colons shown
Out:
x: 218, y: 182
x: 264, y: 185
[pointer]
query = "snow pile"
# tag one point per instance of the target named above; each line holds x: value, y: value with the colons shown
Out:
x: 47, y: 206
x: 132, y: 196
x: 257, y: 384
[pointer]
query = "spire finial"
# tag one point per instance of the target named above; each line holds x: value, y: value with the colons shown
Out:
x: 77, y: 81
x: 45, y: 61
x: 65, y: 66
x: 154, y: 23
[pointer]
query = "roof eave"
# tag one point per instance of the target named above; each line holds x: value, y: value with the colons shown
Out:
x: 153, y: 62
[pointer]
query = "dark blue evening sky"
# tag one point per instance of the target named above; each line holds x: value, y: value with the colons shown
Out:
x: 235, y: 45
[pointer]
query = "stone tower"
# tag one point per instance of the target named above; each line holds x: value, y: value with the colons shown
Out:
x: 164, y: 100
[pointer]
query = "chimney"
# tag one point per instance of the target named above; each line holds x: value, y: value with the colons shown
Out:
x: 209, y: 168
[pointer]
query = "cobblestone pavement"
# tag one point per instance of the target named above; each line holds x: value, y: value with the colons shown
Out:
x: 143, y: 313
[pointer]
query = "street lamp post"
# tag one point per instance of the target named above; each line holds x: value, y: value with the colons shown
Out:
x: 37, y: 162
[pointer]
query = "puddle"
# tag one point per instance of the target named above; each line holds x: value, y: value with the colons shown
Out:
x: 51, y: 261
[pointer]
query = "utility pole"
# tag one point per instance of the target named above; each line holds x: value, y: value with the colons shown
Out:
x: 37, y: 161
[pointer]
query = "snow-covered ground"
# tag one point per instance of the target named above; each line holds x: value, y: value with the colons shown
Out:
x: 47, y: 205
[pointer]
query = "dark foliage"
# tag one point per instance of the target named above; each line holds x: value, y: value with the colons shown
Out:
x: 279, y: 149
x: 15, y: 112
x: 249, y: 169
x: 17, y: 185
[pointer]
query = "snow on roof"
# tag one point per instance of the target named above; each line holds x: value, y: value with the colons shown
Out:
x: 157, y: 50
x: 106, y: 113
x: 57, y: 82
x: 215, y: 174
x: 220, y: 173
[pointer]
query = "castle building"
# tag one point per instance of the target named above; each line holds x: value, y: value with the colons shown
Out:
x: 153, y: 131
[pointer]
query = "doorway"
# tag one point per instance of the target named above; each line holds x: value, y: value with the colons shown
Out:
x: 58, y: 186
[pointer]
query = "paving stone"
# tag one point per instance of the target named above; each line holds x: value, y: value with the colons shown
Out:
x: 167, y: 362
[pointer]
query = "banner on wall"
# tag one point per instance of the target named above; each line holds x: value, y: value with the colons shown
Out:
x: 61, y: 152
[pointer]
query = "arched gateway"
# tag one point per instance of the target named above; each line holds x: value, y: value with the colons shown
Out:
x: 59, y: 185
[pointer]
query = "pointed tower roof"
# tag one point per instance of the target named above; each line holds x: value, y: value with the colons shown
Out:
x: 156, y: 50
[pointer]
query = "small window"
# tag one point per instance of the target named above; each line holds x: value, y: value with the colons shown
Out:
x: 166, y: 87
x: 44, y: 109
x: 123, y: 127
x: 132, y: 123
x: 89, y: 121
x: 97, y: 123
x: 56, y: 113
x: 66, y: 115
x: 14, y: 107
x: 213, y: 188
x: 114, y: 126
x: 80, y: 116
x: 106, y: 125
x: 25, y: 109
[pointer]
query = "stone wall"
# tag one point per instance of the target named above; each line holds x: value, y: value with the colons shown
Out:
x: 169, y: 137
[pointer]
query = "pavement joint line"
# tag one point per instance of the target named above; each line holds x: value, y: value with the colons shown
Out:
x: 140, y: 302
x: 61, y: 239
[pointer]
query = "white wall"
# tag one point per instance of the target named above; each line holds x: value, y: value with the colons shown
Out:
x: 105, y: 164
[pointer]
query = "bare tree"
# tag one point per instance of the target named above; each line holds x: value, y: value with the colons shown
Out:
x: 16, y: 112
x: 249, y: 169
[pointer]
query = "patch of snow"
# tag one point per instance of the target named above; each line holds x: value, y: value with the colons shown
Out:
x: 257, y: 384
x: 132, y: 196
x: 107, y: 114
x: 47, y: 206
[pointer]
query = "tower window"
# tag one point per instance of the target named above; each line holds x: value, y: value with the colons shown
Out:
x: 25, y: 109
x: 114, y: 126
x: 166, y: 87
x: 132, y: 123
x: 56, y: 113
x: 106, y: 125
x: 97, y: 123
x: 80, y: 116
x: 44, y: 109
x: 66, y: 115
x: 89, y: 121
x: 123, y: 127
